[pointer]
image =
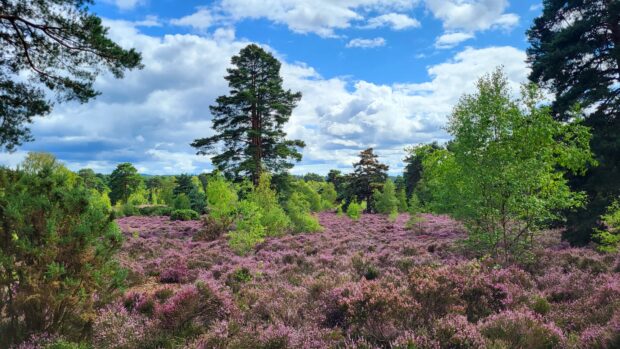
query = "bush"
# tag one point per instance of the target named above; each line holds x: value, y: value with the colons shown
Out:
x: 249, y: 231
x: 608, y: 239
x: 184, y: 215
x: 385, y: 200
x: 298, y: 210
x: 521, y: 330
x: 155, y: 210
x: 354, y: 211
x: 181, y: 202
x: 57, y: 253
x: 273, y: 217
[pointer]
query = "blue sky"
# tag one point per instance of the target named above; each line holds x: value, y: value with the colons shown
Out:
x: 381, y: 73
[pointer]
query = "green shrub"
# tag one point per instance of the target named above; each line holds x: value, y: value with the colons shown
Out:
x: 299, y: 211
x: 155, y: 210
x: 608, y: 239
x: 401, y: 195
x: 354, y: 211
x: 249, y: 231
x: 310, y: 195
x: 184, y: 215
x: 273, y: 217
x: 52, y: 225
x: 385, y: 200
x: 181, y: 202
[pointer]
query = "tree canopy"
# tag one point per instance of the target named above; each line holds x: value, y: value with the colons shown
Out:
x: 575, y: 52
x: 369, y: 174
x: 60, y: 47
x: 249, y: 121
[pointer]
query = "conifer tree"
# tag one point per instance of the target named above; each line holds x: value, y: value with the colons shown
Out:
x: 249, y: 121
x: 575, y: 54
x: 369, y: 174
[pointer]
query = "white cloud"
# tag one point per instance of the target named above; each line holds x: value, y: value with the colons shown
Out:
x: 536, y: 7
x: 159, y: 110
x: 201, y: 19
x: 450, y: 40
x: 321, y: 17
x: 396, y: 21
x: 366, y: 43
x: 472, y: 15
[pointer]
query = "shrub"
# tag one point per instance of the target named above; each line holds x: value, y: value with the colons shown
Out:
x: 181, y: 202
x: 155, y: 210
x: 115, y: 327
x: 385, y: 200
x: 310, y: 195
x: 184, y: 215
x: 249, y: 230
x: 401, y: 195
x: 56, y: 254
x: 521, y: 330
x: 222, y: 200
x: 273, y: 217
x: 354, y: 211
x: 608, y: 239
x: 454, y: 331
x: 298, y: 210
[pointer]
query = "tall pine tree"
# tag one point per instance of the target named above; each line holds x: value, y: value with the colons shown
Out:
x: 575, y: 52
x: 249, y: 121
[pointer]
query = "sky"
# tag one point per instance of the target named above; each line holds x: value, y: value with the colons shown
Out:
x: 373, y: 73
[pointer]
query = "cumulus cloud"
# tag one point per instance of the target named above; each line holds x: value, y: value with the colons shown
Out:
x: 396, y: 21
x: 321, y: 17
x: 151, y: 116
x: 472, y: 15
x: 366, y: 43
x: 450, y: 40
x: 201, y: 19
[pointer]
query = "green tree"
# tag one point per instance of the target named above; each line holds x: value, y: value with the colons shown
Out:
x: 402, y: 200
x: 57, y: 242
x: 385, y: 200
x: 369, y: 174
x: 272, y: 217
x: 413, y: 168
x: 124, y: 181
x: 608, y: 238
x: 92, y: 181
x: 505, y: 174
x: 61, y: 48
x: 575, y: 54
x: 313, y: 177
x: 249, y: 121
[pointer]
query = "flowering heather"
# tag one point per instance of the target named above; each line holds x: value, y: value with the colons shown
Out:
x: 360, y: 283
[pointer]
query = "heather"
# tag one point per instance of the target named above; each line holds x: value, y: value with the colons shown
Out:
x: 371, y: 282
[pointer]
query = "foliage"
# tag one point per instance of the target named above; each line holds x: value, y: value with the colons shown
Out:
x: 505, y: 174
x: 273, y: 217
x: 184, y: 215
x: 181, y: 202
x: 401, y: 196
x: 386, y: 201
x: 256, y: 110
x: 313, y: 177
x: 154, y: 210
x: 355, y: 209
x: 92, y: 181
x: 124, y: 181
x: 369, y: 174
x: 585, y: 74
x: 300, y: 213
x: 56, y: 260
x: 310, y: 194
x: 413, y: 165
x: 608, y: 240
x: 51, y: 46
x: 249, y: 230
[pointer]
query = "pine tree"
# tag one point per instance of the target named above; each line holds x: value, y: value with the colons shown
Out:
x: 575, y: 53
x: 62, y: 48
x: 249, y: 121
x: 124, y: 181
x: 385, y: 200
x: 369, y: 174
